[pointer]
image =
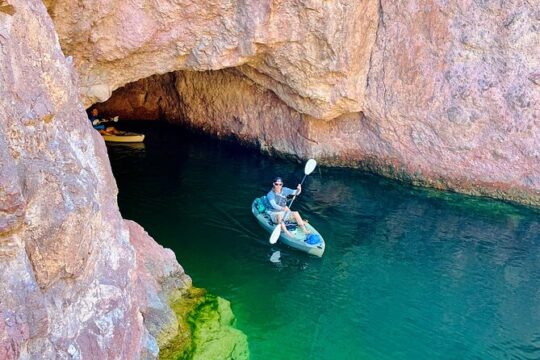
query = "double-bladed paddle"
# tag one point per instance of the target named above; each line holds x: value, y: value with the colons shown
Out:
x: 308, y: 169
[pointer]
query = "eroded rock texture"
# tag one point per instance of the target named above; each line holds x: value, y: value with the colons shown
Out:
x: 452, y: 95
x: 449, y: 97
x: 313, y: 54
x: 76, y: 280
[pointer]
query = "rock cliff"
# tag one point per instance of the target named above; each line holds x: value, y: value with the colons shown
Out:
x: 314, y: 54
x: 453, y: 96
x: 443, y: 94
x: 76, y: 280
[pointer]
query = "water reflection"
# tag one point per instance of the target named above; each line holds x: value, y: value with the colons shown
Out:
x: 133, y: 148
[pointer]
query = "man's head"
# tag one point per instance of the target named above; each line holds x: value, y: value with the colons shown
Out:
x: 278, y: 183
x: 94, y: 112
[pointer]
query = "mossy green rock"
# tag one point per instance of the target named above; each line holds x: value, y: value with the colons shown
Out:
x: 205, y: 329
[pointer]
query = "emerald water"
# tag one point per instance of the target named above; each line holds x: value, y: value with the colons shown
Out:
x: 408, y: 273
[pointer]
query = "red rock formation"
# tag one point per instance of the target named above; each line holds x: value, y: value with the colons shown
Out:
x: 313, y: 54
x: 450, y: 99
x: 75, y: 279
x: 450, y: 95
x: 225, y: 103
x: 151, y: 98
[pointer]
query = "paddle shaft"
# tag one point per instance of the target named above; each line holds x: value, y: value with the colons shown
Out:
x: 294, y: 197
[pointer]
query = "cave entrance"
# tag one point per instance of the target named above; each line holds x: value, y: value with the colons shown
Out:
x: 224, y: 104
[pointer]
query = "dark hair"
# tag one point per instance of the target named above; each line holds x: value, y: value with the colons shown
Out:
x: 277, y: 178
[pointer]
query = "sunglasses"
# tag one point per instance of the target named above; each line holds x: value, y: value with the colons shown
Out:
x: 278, y: 184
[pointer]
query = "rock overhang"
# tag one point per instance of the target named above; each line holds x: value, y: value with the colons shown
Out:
x: 314, y: 56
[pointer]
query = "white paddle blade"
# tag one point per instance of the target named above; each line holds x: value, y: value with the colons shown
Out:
x: 310, y: 166
x: 275, y: 234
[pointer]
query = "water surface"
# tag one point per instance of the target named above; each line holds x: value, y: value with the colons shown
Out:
x: 408, y: 273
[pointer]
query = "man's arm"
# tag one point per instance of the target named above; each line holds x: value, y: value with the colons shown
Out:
x: 288, y: 191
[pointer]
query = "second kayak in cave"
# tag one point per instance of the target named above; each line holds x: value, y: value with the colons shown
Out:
x: 123, y: 137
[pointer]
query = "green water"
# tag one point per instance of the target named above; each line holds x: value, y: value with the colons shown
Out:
x: 407, y: 274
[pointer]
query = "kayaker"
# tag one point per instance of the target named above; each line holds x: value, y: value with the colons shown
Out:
x: 93, y: 116
x: 277, y: 199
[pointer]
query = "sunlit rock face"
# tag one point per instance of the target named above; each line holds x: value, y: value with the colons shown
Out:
x: 313, y: 54
x: 76, y: 280
x: 450, y: 100
x: 453, y: 94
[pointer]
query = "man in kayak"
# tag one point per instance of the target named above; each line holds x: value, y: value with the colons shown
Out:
x: 93, y: 117
x: 96, y: 123
x: 278, y: 209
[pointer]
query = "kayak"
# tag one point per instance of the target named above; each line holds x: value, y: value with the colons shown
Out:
x: 312, y: 244
x: 124, y: 137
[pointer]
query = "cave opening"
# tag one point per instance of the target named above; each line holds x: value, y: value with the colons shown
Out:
x: 223, y: 104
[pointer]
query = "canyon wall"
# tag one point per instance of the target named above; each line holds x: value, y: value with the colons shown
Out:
x: 453, y: 94
x: 76, y: 280
x: 438, y: 93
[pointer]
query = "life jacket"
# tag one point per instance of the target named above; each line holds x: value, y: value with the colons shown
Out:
x: 281, y: 200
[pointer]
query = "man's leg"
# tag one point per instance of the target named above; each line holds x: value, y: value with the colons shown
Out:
x: 299, y: 221
x: 279, y: 216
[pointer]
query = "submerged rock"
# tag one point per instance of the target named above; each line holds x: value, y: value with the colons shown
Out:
x: 205, y: 330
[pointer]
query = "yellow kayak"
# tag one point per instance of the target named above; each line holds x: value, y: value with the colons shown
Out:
x: 124, y: 136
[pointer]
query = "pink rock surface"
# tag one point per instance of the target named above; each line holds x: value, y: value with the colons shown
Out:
x: 75, y: 279
x: 313, y: 54
x: 451, y: 97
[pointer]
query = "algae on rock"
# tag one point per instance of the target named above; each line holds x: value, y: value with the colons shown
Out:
x: 205, y: 329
